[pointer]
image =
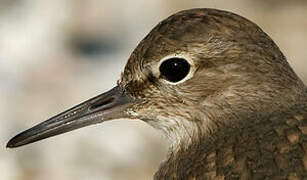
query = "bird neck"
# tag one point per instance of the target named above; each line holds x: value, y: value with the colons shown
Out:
x: 215, y: 123
x: 219, y: 115
x: 253, y: 142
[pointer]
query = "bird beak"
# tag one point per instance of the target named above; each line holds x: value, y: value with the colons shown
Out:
x: 110, y: 105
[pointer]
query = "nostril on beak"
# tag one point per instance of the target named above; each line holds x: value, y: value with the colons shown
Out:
x: 102, y: 104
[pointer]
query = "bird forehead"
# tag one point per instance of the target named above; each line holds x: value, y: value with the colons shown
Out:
x: 191, y: 30
x: 199, y: 33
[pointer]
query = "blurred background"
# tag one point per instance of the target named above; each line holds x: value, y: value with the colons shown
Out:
x: 56, y: 54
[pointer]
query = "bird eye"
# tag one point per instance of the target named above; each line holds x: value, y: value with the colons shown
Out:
x: 174, y: 69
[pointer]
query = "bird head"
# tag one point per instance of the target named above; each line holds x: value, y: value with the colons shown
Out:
x: 196, y: 71
x: 202, y: 69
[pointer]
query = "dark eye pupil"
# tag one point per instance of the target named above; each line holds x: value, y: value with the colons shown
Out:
x: 174, y: 69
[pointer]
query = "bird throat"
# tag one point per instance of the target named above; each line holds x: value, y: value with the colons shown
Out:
x: 220, y: 124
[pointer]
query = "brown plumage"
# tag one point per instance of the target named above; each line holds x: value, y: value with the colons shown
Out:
x: 239, y: 111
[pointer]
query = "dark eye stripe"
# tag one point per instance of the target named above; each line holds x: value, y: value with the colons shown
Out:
x: 174, y: 69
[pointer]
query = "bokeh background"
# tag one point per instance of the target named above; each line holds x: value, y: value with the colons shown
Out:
x: 55, y: 54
